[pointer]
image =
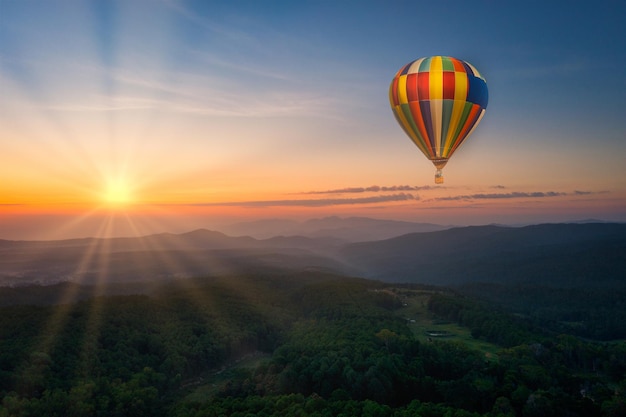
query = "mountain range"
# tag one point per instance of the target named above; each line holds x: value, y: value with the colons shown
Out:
x: 564, y: 255
x: 351, y: 229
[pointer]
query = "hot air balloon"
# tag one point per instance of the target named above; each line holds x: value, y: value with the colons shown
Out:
x: 438, y: 101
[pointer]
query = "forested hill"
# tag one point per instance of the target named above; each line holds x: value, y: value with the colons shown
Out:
x: 560, y: 255
x: 281, y: 343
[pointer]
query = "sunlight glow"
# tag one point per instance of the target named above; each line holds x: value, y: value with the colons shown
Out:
x: 118, y: 194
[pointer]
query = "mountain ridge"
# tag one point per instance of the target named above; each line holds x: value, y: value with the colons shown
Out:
x: 481, y: 253
x: 567, y: 254
x: 347, y: 228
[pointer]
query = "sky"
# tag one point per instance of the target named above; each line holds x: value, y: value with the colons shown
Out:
x: 132, y: 117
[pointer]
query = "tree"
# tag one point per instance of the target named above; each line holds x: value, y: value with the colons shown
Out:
x: 387, y: 336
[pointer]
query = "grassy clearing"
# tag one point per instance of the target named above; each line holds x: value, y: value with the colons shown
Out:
x: 424, y: 324
x: 209, y: 386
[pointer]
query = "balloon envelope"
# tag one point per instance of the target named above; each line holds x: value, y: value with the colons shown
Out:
x: 438, y: 101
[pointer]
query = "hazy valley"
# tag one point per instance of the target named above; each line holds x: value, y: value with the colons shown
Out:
x: 561, y: 255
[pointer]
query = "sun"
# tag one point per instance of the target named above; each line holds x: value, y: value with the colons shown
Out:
x: 118, y: 194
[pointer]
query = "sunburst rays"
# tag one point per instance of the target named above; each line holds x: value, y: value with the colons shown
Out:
x: 96, y: 263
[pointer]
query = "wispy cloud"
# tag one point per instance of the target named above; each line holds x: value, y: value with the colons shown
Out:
x: 108, y: 105
x: 316, y: 202
x: 511, y: 195
x: 214, y: 26
x: 200, y: 94
x: 381, y: 198
x: 219, y: 105
x: 214, y: 60
x: 238, y: 74
x: 370, y: 189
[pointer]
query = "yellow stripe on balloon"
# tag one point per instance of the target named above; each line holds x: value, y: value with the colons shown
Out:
x: 402, y: 96
x: 436, y: 64
x: 435, y: 81
x: 460, y: 86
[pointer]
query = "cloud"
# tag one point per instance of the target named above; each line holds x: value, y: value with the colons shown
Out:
x: 382, y: 198
x: 514, y: 194
x: 371, y: 189
x: 110, y: 105
x: 495, y: 196
x: 316, y: 202
x: 217, y: 104
x: 201, y: 94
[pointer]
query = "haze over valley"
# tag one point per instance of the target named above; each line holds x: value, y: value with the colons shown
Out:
x: 387, y: 250
x: 527, y: 268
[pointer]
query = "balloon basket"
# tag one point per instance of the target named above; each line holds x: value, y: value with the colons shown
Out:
x: 439, y: 177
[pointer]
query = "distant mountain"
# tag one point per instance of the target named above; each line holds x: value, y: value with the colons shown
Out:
x: 201, y: 238
x: 565, y: 255
x: 263, y: 229
x: 157, y: 257
x: 559, y: 255
x: 197, y: 239
x: 351, y: 229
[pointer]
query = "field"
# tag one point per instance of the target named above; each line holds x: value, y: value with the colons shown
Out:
x: 428, y: 328
x: 209, y: 386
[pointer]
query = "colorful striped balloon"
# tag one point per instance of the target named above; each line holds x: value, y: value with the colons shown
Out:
x: 438, y: 101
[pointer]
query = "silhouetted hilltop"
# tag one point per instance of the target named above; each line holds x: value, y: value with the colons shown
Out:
x: 563, y: 254
x: 352, y: 229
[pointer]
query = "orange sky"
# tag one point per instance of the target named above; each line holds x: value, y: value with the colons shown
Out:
x: 166, y: 118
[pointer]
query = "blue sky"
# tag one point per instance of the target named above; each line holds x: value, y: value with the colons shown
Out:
x: 253, y: 101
